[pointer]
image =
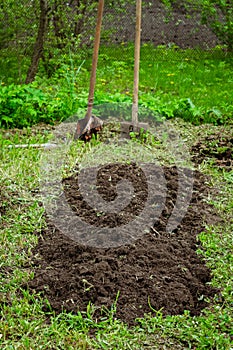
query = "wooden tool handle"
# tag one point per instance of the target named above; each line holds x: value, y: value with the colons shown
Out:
x: 136, y: 61
x: 95, y: 59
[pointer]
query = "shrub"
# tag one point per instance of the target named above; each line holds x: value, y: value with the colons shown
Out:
x: 25, y: 105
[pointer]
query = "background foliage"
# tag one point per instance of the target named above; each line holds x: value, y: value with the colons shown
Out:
x: 69, y: 26
x: 217, y: 14
x: 48, y: 46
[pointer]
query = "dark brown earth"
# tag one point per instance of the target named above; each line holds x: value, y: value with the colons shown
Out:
x: 159, y: 271
x: 218, y: 148
x: 180, y: 26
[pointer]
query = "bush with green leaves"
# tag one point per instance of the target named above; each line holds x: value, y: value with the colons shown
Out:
x: 25, y: 105
x: 218, y: 15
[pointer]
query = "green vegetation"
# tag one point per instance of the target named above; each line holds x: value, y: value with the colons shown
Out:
x: 174, y: 83
x: 27, y: 321
x: 217, y: 14
x: 45, y: 31
x: 192, y: 88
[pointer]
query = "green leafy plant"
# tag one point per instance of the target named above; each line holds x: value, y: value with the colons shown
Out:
x: 25, y: 105
x: 218, y: 14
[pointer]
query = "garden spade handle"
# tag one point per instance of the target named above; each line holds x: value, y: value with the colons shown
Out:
x: 136, y: 61
x: 95, y: 59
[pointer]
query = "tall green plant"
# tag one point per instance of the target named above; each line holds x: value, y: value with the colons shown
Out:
x: 218, y: 14
x: 17, y: 32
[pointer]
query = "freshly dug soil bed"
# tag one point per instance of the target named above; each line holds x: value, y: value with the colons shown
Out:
x: 159, y: 271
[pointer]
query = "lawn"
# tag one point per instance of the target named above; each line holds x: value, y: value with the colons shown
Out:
x: 194, y: 85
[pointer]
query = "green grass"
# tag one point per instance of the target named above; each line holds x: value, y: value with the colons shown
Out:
x: 194, y: 85
x: 27, y: 321
x: 198, y: 89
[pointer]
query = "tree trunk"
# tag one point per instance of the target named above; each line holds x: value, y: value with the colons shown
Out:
x: 39, y: 44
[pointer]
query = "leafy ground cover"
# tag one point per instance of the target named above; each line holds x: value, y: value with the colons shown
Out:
x: 28, y: 320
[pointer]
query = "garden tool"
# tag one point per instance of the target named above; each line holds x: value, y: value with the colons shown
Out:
x: 135, y: 126
x: 91, y: 124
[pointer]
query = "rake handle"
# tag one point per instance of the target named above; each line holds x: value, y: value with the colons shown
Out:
x: 136, y: 61
x: 95, y: 59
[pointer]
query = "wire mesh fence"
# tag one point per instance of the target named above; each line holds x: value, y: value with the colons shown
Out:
x: 160, y: 26
x: 51, y: 29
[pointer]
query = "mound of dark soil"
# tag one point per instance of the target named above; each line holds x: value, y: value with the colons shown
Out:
x: 217, y: 147
x: 159, y: 271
